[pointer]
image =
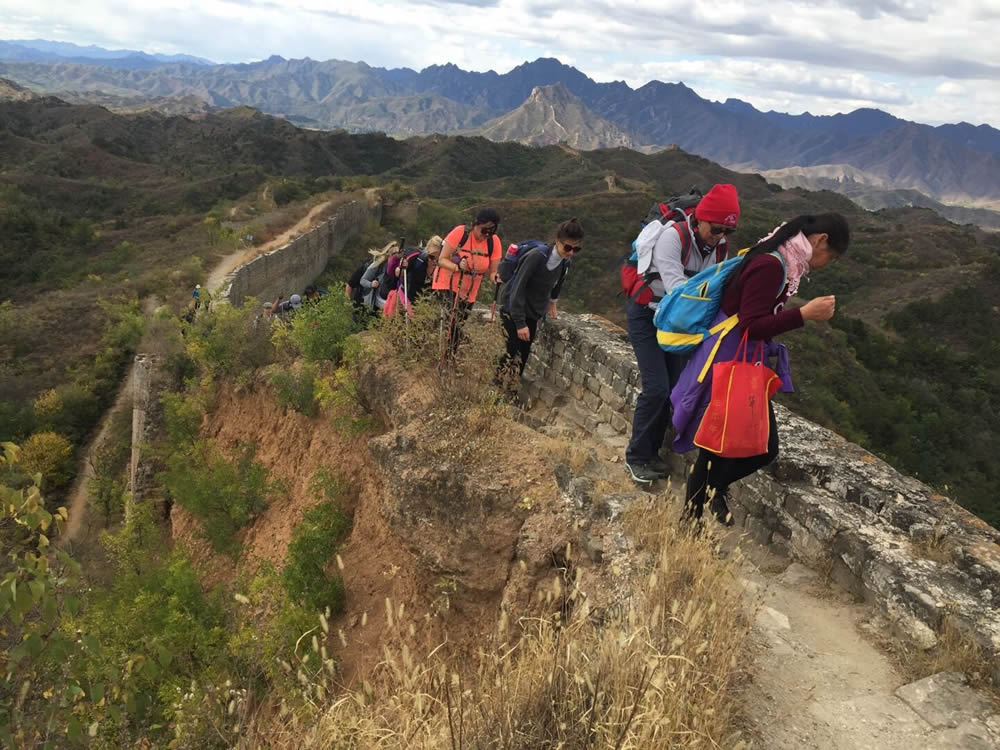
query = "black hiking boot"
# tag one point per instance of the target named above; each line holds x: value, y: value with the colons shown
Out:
x: 642, y: 473
x: 720, y: 509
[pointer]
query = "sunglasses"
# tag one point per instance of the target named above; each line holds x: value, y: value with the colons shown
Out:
x: 488, y: 230
x: 572, y: 248
x: 717, y: 230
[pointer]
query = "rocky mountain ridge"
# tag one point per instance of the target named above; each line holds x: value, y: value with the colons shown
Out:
x: 956, y: 163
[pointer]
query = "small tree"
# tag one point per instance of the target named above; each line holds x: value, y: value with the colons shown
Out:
x: 50, y: 455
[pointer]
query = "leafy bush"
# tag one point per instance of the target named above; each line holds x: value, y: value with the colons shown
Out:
x: 152, y: 635
x: 320, y: 328
x: 70, y: 409
x: 287, y: 191
x: 314, y: 542
x: 35, y: 593
x: 297, y: 389
x: 224, y: 495
x: 48, y: 454
x: 229, y: 341
x: 109, y: 460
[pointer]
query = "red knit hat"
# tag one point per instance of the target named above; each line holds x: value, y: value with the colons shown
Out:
x: 721, y: 205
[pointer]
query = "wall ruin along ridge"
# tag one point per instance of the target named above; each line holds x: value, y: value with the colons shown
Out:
x: 918, y: 557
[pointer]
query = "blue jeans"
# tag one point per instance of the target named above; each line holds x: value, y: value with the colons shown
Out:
x: 660, y: 372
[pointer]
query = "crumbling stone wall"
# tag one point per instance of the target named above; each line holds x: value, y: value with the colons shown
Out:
x: 146, y: 413
x: 913, y: 553
x: 289, y: 269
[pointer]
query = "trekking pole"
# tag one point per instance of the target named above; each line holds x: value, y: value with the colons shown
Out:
x: 496, y: 296
x: 451, y: 318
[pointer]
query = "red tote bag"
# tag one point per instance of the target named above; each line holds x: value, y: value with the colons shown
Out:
x: 736, y: 423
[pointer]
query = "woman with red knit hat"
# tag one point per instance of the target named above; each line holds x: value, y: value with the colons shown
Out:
x: 682, y: 250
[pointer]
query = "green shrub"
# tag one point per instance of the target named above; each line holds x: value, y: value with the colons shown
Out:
x: 297, y: 389
x: 319, y: 329
x: 224, y: 495
x: 69, y: 409
x: 314, y: 543
x: 107, y: 487
x: 287, y: 191
x: 48, y: 454
x: 228, y: 341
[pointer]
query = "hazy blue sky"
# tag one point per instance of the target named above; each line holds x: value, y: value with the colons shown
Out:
x: 920, y: 59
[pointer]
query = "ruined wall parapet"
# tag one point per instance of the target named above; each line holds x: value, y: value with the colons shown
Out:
x: 913, y: 553
x: 289, y: 269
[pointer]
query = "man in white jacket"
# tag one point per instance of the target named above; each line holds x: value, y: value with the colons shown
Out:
x: 682, y: 250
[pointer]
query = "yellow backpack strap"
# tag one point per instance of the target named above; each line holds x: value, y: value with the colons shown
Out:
x: 720, y: 330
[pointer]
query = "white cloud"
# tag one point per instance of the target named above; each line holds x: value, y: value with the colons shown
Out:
x: 818, y: 55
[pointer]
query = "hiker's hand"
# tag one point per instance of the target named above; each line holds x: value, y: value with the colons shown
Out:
x: 374, y: 283
x: 820, y: 308
x: 496, y: 278
x: 553, y: 313
x: 524, y: 334
x: 461, y: 265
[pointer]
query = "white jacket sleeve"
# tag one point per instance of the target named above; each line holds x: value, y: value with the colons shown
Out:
x: 667, y: 260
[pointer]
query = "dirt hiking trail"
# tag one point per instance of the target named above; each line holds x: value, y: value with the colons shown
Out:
x: 231, y: 262
x: 820, y: 681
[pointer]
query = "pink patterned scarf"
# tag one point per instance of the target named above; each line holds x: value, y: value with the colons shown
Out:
x: 797, y: 253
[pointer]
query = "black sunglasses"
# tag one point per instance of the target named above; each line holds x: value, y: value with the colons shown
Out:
x: 572, y: 248
x: 488, y: 230
x: 717, y: 230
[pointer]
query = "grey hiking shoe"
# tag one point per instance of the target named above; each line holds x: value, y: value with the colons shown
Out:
x: 642, y: 473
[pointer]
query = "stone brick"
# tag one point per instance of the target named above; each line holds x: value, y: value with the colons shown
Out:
x: 559, y: 348
x: 592, y: 400
x: 593, y: 385
x: 620, y: 385
x: 602, y: 372
x: 611, y: 398
x: 579, y: 375
x: 620, y: 424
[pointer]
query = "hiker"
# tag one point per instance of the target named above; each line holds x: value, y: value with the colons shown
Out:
x: 196, y: 296
x: 293, y: 304
x: 467, y: 255
x: 375, y: 278
x: 530, y: 293
x: 703, y: 234
x: 414, y: 269
x: 756, y: 292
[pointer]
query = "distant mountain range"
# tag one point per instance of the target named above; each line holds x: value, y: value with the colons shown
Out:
x: 543, y: 102
x: 43, y: 51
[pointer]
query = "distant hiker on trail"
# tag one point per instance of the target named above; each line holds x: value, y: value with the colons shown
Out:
x: 531, y: 288
x: 293, y: 304
x: 682, y: 249
x: 196, y: 296
x: 466, y: 257
x: 756, y: 291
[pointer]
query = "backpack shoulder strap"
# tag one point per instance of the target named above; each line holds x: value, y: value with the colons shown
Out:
x: 784, y: 270
x: 721, y: 250
x: 684, y: 233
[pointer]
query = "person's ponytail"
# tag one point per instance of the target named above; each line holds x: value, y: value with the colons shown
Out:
x: 833, y: 225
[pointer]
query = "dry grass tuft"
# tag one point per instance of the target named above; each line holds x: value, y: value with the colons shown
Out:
x: 662, y: 669
x: 956, y: 651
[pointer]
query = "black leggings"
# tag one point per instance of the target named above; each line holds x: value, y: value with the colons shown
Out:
x: 724, y: 471
x: 454, y: 312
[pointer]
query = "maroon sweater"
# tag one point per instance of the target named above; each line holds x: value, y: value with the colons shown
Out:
x: 756, y: 297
